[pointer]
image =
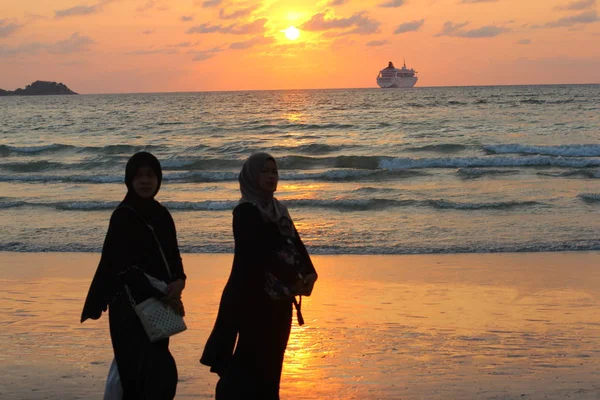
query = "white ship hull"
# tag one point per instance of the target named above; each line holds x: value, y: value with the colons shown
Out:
x: 397, y: 82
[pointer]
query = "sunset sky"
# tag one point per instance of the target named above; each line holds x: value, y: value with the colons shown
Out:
x: 116, y: 46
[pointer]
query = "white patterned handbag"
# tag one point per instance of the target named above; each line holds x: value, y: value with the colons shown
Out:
x: 158, y: 319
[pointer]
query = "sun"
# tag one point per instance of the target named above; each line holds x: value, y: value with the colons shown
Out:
x: 292, y: 33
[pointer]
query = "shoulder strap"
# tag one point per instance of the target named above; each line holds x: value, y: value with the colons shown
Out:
x: 151, y: 228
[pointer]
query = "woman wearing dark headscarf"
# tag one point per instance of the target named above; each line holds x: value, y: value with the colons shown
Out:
x: 270, y: 267
x: 146, y: 370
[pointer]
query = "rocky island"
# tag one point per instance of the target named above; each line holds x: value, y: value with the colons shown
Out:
x: 39, y: 88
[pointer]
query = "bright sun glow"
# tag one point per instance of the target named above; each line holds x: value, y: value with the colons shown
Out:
x: 292, y: 33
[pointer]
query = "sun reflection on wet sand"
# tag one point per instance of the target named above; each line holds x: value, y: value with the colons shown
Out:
x: 377, y: 327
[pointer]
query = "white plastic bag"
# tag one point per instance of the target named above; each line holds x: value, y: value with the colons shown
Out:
x: 113, y: 389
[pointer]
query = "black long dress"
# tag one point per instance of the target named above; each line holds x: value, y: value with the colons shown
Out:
x: 246, y: 313
x: 147, y: 370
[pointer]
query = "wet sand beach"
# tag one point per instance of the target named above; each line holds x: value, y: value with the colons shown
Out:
x: 472, y: 326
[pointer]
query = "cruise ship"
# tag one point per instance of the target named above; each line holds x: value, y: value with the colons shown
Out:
x: 392, y: 77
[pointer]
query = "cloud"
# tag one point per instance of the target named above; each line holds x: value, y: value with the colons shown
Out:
x: 78, y: 10
x: 26, y: 49
x: 74, y: 44
x: 205, y: 28
x: 8, y: 28
x: 186, y: 18
x: 376, y: 43
x: 152, y: 51
x: 148, y: 32
x: 150, y: 4
x: 524, y: 41
x: 241, y: 12
x: 211, y: 3
x: 183, y: 44
x: 455, y: 30
x: 478, y: 1
x: 253, y: 27
x: 258, y: 40
x: 586, y: 17
x: 337, y: 2
x: 578, y: 5
x: 392, y: 4
x: 409, y: 26
x: 201, y: 55
x: 362, y: 24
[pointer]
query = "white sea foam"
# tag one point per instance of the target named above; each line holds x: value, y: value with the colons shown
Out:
x: 571, y: 150
x: 469, y: 162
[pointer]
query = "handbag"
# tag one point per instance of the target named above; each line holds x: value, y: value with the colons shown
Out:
x: 159, y: 320
x: 279, y: 290
x: 291, y: 259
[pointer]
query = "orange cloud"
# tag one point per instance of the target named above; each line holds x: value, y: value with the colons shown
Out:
x: 361, y: 23
x: 7, y: 28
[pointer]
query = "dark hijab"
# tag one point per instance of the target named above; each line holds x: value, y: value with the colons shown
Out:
x: 146, y: 207
x: 270, y: 208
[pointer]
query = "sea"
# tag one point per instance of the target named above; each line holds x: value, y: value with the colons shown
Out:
x: 362, y: 171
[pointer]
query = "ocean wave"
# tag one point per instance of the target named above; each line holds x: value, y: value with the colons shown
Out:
x: 572, y: 150
x: 532, y: 101
x: 586, y: 173
x: 313, y: 148
x: 590, y: 197
x: 349, y: 204
x: 463, y: 162
x: 201, y: 176
x: 63, y: 178
x: 11, y: 204
x: 341, y: 175
x: 440, y: 148
x: 479, y: 172
x: 333, y: 175
x: 305, y: 162
x: 370, y: 189
x: 352, y: 249
x: 202, y: 169
x: 346, y: 204
x: 496, y: 205
x: 292, y: 127
x: 6, y: 150
x: 43, y: 165
x: 198, y: 163
x: 289, y: 162
x: 208, y: 205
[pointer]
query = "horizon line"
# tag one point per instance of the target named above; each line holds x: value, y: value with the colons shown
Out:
x: 308, y: 89
x: 349, y: 88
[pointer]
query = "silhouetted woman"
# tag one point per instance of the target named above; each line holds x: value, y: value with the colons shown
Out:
x: 146, y: 370
x: 270, y: 266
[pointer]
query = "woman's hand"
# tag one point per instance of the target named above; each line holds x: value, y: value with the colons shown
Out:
x: 175, y: 304
x: 304, y: 286
x: 175, y: 288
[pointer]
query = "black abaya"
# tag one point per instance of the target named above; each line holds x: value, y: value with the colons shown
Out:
x: 247, y: 314
x: 147, y: 370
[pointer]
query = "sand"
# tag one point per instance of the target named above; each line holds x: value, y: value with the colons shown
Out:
x: 476, y: 326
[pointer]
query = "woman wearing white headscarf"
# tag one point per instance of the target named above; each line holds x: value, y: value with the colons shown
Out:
x: 271, y: 266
